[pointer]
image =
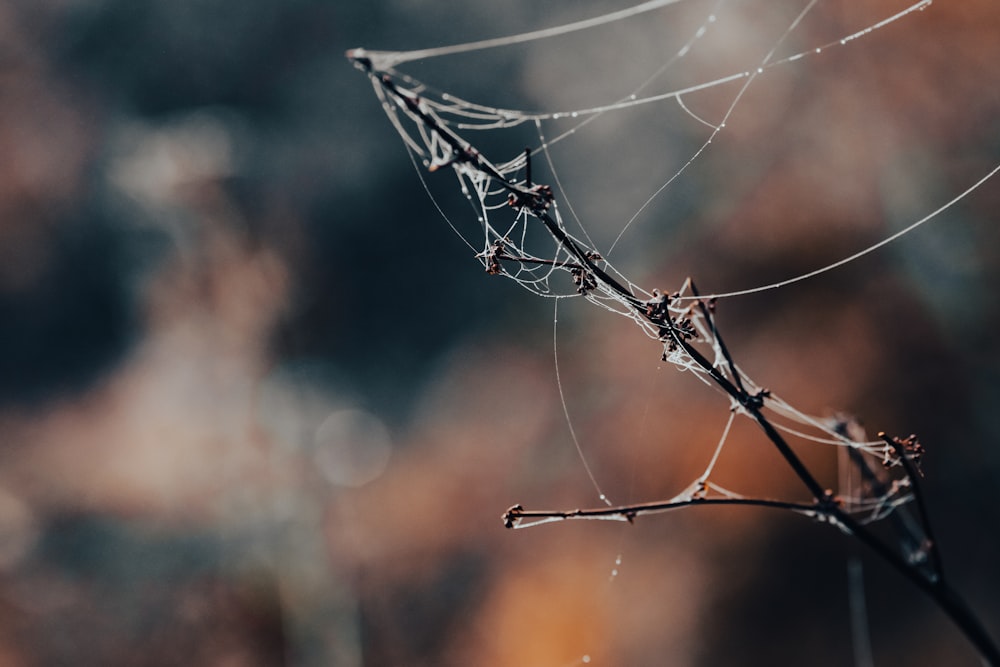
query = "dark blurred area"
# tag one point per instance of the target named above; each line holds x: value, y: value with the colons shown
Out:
x: 259, y: 405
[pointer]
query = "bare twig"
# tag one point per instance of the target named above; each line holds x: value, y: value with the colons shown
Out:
x: 518, y: 517
x: 914, y: 476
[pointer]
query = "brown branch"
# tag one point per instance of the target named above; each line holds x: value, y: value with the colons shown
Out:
x: 513, y: 516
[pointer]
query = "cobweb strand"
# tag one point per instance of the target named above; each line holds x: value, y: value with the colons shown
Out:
x: 388, y: 59
x: 861, y: 253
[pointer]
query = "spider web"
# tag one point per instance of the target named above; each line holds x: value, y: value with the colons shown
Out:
x: 522, y: 225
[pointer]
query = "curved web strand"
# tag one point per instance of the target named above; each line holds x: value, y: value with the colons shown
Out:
x: 866, y: 251
x: 434, y: 201
x: 386, y: 59
x: 702, y: 481
x: 562, y: 399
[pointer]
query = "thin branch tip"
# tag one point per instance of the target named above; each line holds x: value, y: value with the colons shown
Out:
x: 512, y: 516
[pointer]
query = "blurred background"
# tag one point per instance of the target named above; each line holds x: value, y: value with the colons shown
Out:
x: 259, y: 405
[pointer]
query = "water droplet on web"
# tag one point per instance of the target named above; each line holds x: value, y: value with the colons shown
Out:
x: 574, y: 114
x: 760, y: 70
x: 585, y: 659
x: 632, y: 96
x: 818, y: 49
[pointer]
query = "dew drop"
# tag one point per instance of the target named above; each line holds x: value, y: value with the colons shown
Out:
x: 818, y: 49
x: 574, y: 114
x: 760, y: 70
x: 585, y: 659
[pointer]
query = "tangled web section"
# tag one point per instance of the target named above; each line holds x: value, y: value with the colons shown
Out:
x: 521, y: 233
